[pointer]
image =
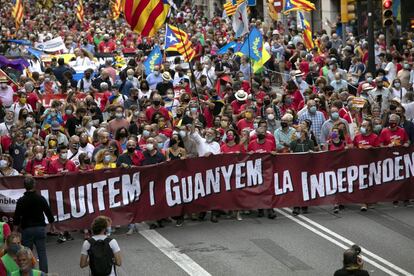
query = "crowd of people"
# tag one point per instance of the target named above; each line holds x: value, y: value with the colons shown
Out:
x: 305, y: 100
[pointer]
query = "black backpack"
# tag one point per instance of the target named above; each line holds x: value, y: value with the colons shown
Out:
x: 101, y: 257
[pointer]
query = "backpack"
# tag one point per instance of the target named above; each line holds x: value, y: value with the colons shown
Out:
x: 101, y: 257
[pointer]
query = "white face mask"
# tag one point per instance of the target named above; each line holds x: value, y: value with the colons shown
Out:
x: 150, y: 147
x: 64, y: 156
x: 270, y: 117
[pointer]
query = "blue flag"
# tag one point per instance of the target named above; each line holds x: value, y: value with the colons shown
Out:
x: 226, y: 47
x: 252, y: 45
x: 20, y: 41
x: 38, y: 54
x: 154, y: 58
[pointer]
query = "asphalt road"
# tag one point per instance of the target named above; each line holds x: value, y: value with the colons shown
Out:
x: 311, y: 244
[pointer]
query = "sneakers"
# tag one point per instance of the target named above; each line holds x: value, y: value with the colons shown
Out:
x: 61, y: 238
x: 364, y: 209
x: 260, y: 213
x: 271, y: 214
x: 336, y: 209
x: 296, y: 211
x: 238, y: 216
x: 179, y: 222
x: 130, y: 231
x: 68, y: 236
x: 213, y: 219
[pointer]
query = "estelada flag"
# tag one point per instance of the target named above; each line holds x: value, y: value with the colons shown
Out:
x: 145, y: 16
x: 178, y: 40
x: 18, y: 12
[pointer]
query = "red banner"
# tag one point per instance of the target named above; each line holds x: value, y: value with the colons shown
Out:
x: 226, y: 182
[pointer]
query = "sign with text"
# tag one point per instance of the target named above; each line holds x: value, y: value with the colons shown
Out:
x: 226, y: 182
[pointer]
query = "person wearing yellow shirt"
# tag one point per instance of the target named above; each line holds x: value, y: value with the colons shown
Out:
x: 104, y: 160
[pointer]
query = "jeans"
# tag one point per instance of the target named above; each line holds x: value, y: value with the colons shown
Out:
x: 37, y: 236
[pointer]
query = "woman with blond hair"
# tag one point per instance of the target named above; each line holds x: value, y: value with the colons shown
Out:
x: 104, y: 160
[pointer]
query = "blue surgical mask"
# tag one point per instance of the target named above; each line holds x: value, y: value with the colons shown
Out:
x: 312, y: 109
x: 335, y: 116
x: 160, y: 145
x: 29, y: 134
x: 107, y: 158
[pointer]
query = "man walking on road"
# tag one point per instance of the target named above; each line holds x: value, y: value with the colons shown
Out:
x: 29, y: 215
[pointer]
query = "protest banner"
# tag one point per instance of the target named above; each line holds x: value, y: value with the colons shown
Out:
x: 226, y: 182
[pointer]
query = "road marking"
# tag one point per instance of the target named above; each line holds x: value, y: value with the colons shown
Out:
x: 350, y: 243
x: 345, y: 246
x: 172, y: 252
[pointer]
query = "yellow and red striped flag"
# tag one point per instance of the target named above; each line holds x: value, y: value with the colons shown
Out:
x: 307, y: 36
x: 79, y: 11
x: 116, y: 9
x: 177, y: 40
x: 298, y: 5
x: 230, y: 9
x: 145, y: 16
x: 18, y: 12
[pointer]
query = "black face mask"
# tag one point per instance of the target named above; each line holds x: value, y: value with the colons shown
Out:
x: 83, y: 144
x: 87, y: 161
x: 122, y: 135
x: 156, y: 103
x: 266, y: 102
x: 284, y: 124
x: 173, y: 142
x: 135, y: 98
x: 131, y: 150
x: 261, y: 136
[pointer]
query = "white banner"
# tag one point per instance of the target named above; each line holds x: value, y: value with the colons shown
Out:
x: 52, y: 45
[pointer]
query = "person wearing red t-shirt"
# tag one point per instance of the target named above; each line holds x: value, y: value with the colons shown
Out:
x: 162, y: 127
x: 156, y: 107
x: 232, y: 143
x: 241, y: 99
x: 263, y: 145
x: 106, y: 46
x: 393, y: 135
x: 247, y: 121
x: 366, y: 138
x: 38, y: 165
x: 62, y: 164
x: 337, y: 139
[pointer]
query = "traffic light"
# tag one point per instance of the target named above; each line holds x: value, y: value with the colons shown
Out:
x: 387, y: 18
x: 348, y: 10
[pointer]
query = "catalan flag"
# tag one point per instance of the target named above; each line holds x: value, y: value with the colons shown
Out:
x: 298, y: 5
x: 116, y: 9
x: 307, y: 32
x: 230, y: 8
x: 177, y: 40
x: 18, y: 12
x: 79, y: 11
x: 145, y: 16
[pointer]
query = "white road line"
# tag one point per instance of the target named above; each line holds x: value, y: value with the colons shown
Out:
x: 364, y: 250
x: 172, y: 252
x: 347, y: 244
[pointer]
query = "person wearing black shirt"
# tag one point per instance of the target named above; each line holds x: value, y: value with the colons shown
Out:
x: 75, y: 121
x: 60, y: 70
x: 29, y: 215
x: 166, y: 84
x: 352, y: 264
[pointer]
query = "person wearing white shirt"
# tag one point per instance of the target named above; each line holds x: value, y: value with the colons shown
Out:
x: 85, y: 146
x: 206, y: 146
x: 84, y: 84
x: 397, y: 90
x: 6, y: 92
x: 7, y: 124
x: 390, y: 69
x: 99, y: 231
x: 210, y: 73
x: 20, y: 104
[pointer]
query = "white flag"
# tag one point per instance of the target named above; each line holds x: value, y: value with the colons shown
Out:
x: 240, y: 20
